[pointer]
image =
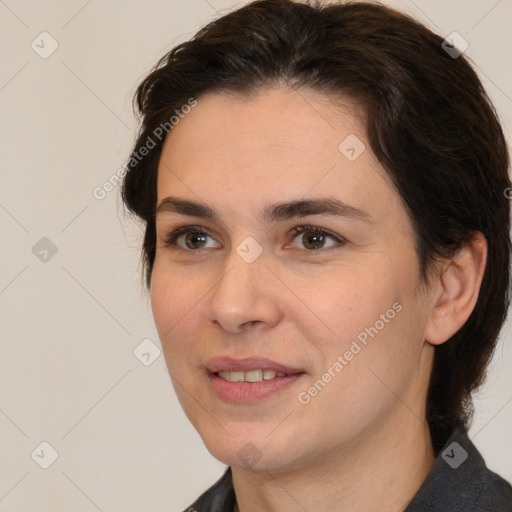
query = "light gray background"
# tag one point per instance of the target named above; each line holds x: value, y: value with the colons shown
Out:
x: 68, y: 375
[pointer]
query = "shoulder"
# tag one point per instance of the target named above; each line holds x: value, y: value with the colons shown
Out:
x: 220, y: 497
x: 461, y: 482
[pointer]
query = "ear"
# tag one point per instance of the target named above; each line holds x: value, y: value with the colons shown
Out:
x: 456, y: 288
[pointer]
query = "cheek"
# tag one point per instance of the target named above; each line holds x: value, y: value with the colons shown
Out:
x: 361, y: 360
x: 174, y: 298
x: 368, y: 323
x: 164, y: 304
x: 345, y: 303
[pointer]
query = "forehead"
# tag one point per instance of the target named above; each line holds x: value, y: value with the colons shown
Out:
x: 286, y: 123
x: 275, y: 144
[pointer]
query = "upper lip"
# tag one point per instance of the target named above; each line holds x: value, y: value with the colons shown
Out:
x: 246, y: 364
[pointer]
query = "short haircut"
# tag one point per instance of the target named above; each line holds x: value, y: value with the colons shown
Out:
x: 428, y: 121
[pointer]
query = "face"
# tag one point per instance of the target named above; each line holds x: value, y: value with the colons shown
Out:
x: 282, y: 248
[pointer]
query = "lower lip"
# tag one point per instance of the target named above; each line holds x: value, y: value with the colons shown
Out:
x: 251, y: 392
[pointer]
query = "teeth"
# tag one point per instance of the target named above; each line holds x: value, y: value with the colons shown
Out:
x: 250, y: 376
x: 269, y: 374
x: 237, y: 376
x: 254, y: 376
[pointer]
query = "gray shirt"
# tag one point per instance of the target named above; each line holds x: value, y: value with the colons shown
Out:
x: 459, y: 481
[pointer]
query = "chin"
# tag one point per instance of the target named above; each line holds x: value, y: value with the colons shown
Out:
x: 254, y: 453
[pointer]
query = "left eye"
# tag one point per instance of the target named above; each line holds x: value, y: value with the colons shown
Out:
x: 315, y: 238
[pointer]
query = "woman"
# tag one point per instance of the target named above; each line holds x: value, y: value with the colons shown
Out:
x: 327, y: 249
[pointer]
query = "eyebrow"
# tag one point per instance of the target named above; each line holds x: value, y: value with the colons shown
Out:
x: 271, y: 213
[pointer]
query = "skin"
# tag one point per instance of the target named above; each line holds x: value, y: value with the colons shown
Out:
x: 362, y: 443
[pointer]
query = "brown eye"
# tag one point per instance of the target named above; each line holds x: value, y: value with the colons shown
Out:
x: 195, y: 240
x: 190, y: 238
x: 314, y: 238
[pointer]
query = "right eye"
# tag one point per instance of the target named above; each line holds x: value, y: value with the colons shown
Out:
x: 190, y: 238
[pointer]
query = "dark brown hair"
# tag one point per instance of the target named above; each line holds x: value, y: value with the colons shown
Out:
x: 428, y: 121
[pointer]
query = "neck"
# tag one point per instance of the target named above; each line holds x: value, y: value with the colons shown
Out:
x: 382, y: 474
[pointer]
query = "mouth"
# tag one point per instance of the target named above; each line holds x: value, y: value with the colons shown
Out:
x: 250, y: 376
x: 249, y: 380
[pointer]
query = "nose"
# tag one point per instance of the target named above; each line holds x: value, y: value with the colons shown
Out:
x: 244, y: 296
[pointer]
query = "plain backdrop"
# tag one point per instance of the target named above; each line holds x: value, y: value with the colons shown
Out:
x: 72, y: 306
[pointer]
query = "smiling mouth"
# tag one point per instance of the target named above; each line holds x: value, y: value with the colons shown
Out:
x: 250, y: 376
x: 250, y: 380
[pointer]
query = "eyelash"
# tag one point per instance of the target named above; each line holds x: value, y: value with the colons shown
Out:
x: 318, y: 231
x: 170, y: 239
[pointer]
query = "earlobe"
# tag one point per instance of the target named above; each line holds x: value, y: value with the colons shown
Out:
x: 456, y: 291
